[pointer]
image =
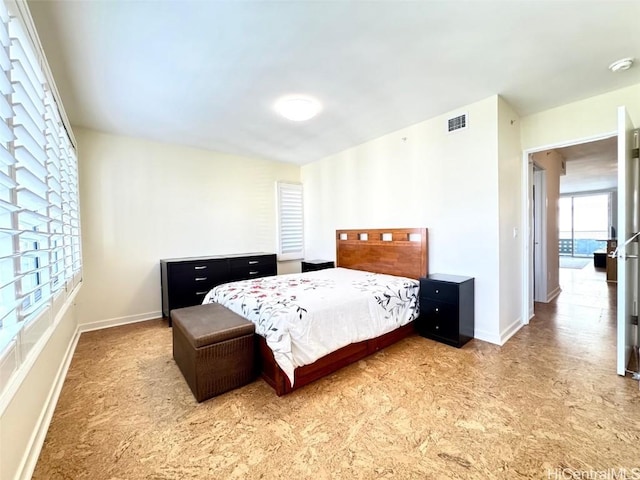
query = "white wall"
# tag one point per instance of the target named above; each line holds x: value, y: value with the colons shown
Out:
x: 142, y: 201
x: 445, y: 182
x: 510, y: 220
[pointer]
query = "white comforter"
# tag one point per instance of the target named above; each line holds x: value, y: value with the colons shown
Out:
x: 306, y: 316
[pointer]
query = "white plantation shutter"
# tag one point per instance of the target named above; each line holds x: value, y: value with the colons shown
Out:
x: 40, y: 256
x: 30, y: 173
x: 8, y: 184
x: 290, y: 221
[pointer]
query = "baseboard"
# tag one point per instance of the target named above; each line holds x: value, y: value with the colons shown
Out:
x: 511, y: 330
x: 36, y: 442
x: 554, y: 293
x: 503, y: 337
x: 37, y: 439
x: 486, y: 336
x: 114, y: 322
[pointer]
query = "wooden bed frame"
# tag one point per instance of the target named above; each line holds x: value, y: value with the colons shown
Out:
x: 395, y: 251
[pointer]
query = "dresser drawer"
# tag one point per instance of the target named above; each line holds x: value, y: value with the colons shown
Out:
x: 441, y: 291
x: 191, y: 276
x: 253, y: 262
x: 438, y: 318
x: 252, y: 267
x: 180, y: 299
x: 185, y: 281
x: 254, y: 271
x: 190, y: 269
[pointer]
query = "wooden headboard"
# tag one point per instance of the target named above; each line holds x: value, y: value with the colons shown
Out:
x: 394, y: 251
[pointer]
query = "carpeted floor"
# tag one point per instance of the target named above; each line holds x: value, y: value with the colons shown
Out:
x: 574, y: 262
x: 547, y: 400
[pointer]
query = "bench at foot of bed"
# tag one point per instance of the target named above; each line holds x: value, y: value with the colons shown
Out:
x: 214, y: 349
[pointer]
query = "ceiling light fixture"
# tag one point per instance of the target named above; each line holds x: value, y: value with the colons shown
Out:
x: 298, y: 107
x: 621, y: 65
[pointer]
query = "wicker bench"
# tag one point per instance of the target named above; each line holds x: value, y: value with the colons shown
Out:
x: 214, y: 348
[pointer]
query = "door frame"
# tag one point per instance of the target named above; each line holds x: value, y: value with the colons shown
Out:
x: 526, y: 228
x: 539, y: 215
x: 628, y: 226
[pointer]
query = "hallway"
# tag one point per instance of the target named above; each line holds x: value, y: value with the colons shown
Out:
x: 583, y: 315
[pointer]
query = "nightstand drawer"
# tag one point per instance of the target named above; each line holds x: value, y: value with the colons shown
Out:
x: 441, y: 291
x: 439, y: 318
x: 314, y: 265
x: 447, y: 309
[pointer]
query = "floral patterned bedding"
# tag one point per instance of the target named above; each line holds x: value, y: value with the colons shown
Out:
x: 306, y: 316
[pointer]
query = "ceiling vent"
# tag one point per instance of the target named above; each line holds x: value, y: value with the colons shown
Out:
x: 457, y: 123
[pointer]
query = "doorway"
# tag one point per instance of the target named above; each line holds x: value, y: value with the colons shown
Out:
x: 557, y: 163
x: 626, y: 253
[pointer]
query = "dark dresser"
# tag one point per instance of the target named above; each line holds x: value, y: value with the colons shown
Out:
x: 447, y: 309
x: 185, y: 281
x: 313, y: 265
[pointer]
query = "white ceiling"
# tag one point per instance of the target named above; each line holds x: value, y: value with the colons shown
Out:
x: 590, y: 166
x: 206, y: 74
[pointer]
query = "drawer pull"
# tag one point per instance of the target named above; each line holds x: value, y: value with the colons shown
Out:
x: 437, y: 327
x: 200, y: 267
x: 437, y: 291
x: 200, y: 279
x: 202, y: 293
x: 253, y: 272
x: 437, y: 309
x: 253, y: 262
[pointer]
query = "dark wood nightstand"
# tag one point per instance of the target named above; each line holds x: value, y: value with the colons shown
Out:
x: 313, y: 265
x: 447, y: 309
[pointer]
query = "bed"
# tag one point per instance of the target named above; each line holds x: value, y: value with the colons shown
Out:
x: 370, y: 300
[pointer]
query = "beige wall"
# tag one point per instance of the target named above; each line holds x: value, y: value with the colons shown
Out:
x: 579, y: 121
x: 142, y: 201
x: 445, y: 182
x: 551, y: 162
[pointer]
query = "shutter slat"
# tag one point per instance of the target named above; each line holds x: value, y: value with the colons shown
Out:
x: 6, y: 88
x: 40, y: 229
x: 290, y: 220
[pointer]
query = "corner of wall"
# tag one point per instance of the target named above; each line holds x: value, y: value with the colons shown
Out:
x: 510, y: 330
x: 510, y: 216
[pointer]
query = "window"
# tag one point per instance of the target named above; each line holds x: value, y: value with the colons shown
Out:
x: 40, y: 257
x: 584, y: 222
x: 290, y: 221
